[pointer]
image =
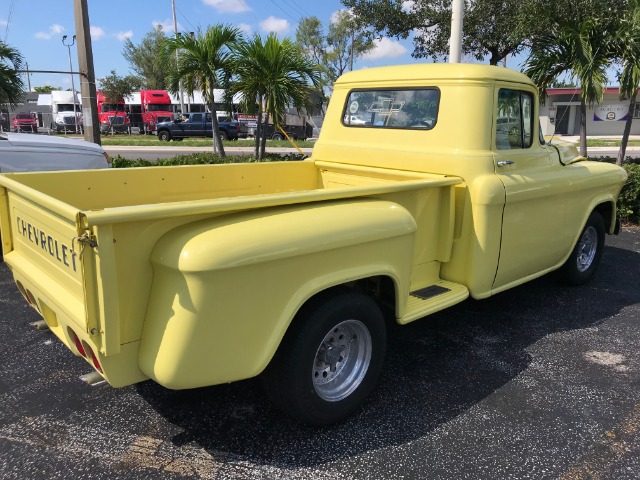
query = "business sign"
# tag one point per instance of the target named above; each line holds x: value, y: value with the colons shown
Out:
x: 249, y: 120
x: 611, y: 113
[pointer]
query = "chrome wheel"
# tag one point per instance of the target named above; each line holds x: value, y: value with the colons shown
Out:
x: 588, y: 245
x: 342, y: 360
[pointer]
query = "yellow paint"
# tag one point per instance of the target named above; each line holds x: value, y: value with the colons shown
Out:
x: 199, y: 270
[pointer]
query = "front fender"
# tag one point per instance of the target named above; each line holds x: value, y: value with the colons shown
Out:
x: 225, y: 289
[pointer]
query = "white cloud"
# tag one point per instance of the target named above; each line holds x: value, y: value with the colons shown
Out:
x: 385, y: 48
x: 122, y: 36
x: 246, y: 28
x: 407, y: 6
x: 54, y: 30
x: 276, y: 25
x: 3, y: 22
x: 228, y: 6
x: 97, y: 33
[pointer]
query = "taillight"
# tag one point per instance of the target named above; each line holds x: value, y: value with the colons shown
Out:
x: 96, y: 363
x: 78, y: 344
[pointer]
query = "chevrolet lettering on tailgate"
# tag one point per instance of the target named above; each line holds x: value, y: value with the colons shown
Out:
x: 62, y: 252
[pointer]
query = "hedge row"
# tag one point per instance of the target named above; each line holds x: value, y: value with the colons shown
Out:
x: 628, y: 201
x: 203, y: 158
x: 629, y: 198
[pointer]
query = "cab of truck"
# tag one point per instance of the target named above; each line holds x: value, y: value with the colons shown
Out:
x: 156, y: 108
x: 112, y: 115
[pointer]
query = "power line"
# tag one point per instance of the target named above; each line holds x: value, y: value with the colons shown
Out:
x: 6, y: 30
x: 300, y: 9
x: 284, y: 11
x: 294, y: 7
x: 185, y: 18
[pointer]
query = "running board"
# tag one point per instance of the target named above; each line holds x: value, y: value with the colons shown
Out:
x: 433, y: 298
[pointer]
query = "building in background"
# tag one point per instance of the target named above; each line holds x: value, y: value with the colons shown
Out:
x: 560, y: 113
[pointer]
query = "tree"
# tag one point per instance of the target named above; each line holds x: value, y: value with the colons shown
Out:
x: 628, y: 51
x: 492, y: 28
x: 335, y: 51
x: 11, y: 84
x: 346, y: 42
x: 579, y: 41
x: 204, y: 64
x: 115, y: 88
x: 274, y: 73
x: 46, y: 89
x: 150, y: 59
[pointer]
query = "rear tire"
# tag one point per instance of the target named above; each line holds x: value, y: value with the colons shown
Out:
x: 329, y: 360
x: 224, y: 136
x: 583, y: 261
x: 276, y: 136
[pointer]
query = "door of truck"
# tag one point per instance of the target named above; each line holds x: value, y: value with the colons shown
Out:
x: 195, y: 125
x: 534, y: 213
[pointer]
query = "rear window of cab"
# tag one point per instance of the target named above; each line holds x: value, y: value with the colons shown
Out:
x: 407, y: 108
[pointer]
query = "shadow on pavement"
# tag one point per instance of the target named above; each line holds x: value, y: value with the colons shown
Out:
x: 435, y: 370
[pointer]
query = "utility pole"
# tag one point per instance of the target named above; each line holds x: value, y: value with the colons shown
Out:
x: 175, y: 31
x: 87, y: 72
x: 28, y: 76
x: 455, y: 41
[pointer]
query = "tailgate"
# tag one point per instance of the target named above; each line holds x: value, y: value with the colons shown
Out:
x: 39, y: 247
x: 71, y: 286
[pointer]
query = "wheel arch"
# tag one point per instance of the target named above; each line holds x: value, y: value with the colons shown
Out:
x: 383, y: 287
x: 607, y: 210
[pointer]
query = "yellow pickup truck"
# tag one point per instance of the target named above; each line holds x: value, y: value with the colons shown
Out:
x: 201, y: 275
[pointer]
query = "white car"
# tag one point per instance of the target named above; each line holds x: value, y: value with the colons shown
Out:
x: 353, y: 120
x: 22, y: 152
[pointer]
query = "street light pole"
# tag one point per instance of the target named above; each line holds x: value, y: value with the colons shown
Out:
x: 175, y: 32
x: 73, y: 85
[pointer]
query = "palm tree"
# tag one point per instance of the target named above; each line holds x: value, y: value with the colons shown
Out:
x: 582, y: 48
x: 11, y: 84
x: 204, y: 63
x: 629, y: 53
x: 274, y: 73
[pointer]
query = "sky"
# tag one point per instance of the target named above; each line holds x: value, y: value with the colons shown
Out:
x: 35, y: 28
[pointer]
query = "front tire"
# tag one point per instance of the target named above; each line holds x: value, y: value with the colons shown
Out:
x: 329, y: 360
x: 164, y: 136
x: 583, y: 261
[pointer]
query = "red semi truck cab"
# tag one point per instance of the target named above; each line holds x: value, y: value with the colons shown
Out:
x: 156, y: 107
x: 112, y: 115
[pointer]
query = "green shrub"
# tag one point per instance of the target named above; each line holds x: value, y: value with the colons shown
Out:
x: 629, y: 199
x: 202, y: 158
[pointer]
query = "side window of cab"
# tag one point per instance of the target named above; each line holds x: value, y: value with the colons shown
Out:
x: 514, y: 119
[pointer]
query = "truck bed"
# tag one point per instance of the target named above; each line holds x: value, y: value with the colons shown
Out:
x: 79, y: 242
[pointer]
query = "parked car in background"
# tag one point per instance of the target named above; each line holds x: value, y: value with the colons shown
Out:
x: 20, y: 152
x: 353, y: 120
x: 196, y: 124
x: 25, y: 122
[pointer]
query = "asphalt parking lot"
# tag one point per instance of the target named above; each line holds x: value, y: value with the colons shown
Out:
x: 539, y: 382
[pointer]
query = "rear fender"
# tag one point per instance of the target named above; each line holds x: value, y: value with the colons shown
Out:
x: 226, y: 289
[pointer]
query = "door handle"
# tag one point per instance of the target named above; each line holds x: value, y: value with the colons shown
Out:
x: 502, y: 163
